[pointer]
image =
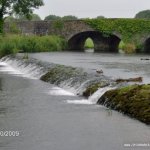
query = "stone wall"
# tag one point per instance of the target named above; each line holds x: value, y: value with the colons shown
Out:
x: 62, y: 28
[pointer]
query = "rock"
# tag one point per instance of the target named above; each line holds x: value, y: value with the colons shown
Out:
x: 99, y: 71
x: 93, y: 88
x: 145, y: 58
x: 138, y: 79
x: 133, y: 100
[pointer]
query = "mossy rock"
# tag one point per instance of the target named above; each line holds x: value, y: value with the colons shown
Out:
x: 93, y: 88
x: 59, y: 73
x: 132, y: 100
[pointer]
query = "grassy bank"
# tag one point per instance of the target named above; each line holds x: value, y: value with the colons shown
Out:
x: 132, y: 100
x: 11, y: 44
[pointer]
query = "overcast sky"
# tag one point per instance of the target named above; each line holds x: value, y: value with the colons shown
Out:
x: 93, y: 8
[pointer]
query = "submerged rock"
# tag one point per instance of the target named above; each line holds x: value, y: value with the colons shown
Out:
x: 138, y: 79
x: 94, y: 87
x: 132, y: 100
x: 84, y: 83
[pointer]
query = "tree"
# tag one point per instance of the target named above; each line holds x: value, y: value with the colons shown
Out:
x: 145, y: 14
x: 10, y: 19
x: 100, y: 17
x: 33, y: 17
x: 52, y: 17
x: 69, y: 17
x: 9, y: 7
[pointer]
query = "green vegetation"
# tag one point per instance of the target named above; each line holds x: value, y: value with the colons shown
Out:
x: 132, y: 100
x: 124, y: 27
x: 11, y: 44
x: 54, y: 17
x: 13, y: 28
x: 24, y: 7
x: 10, y: 19
x: 100, y: 17
x: 127, y: 48
x: 58, y: 25
x: 93, y: 88
x: 33, y: 17
x: 59, y: 73
x: 89, y: 43
x: 145, y: 14
x: 69, y: 17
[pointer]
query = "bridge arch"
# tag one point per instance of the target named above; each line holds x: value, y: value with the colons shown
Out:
x: 101, y: 43
x: 147, y: 45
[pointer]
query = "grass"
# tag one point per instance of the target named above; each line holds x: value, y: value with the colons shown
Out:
x: 89, y: 44
x: 127, y: 48
x: 11, y: 44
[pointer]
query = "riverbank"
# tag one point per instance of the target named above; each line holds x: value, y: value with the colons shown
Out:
x: 133, y: 101
x: 12, y: 44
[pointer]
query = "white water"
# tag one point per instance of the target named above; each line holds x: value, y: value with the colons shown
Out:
x: 10, y: 70
x: 33, y: 71
x: 59, y: 91
x: 46, y: 122
x: 18, y: 67
x: 93, y: 98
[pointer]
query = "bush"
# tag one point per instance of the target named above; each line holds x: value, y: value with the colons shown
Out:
x: 11, y: 44
x: 129, y: 48
x: 7, y: 46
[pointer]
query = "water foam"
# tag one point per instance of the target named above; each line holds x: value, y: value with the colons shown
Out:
x: 4, y: 67
x: 20, y: 68
x: 81, y: 102
x: 59, y: 91
x: 93, y: 98
x: 34, y: 69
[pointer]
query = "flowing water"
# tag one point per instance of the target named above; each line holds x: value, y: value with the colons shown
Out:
x: 113, y: 65
x: 48, y: 117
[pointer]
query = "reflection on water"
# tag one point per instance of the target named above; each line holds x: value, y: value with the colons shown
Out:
x: 89, y: 50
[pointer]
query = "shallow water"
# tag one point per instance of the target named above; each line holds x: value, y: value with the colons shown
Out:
x: 113, y: 65
x: 44, y: 119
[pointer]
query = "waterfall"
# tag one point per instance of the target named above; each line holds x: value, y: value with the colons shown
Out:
x: 70, y: 81
x: 22, y: 67
x: 93, y: 98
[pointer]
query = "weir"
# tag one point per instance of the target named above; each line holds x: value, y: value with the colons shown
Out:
x: 73, y: 80
x: 88, y: 87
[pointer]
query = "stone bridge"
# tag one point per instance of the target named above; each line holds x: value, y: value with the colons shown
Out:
x: 76, y: 32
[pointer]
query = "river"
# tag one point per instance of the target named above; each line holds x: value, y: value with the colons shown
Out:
x: 113, y: 65
x: 40, y: 112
